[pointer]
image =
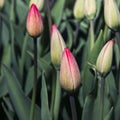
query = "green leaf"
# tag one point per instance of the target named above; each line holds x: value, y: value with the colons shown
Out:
x: 21, y: 10
x: 81, y: 43
x: 43, y: 64
x: 117, y: 55
x: 111, y: 87
x: 20, y: 102
x: 57, y: 11
x: 8, y: 114
x: 96, y: 49
x: 99, y: 4
x: 88, y: 78
x: 108, y: 116
x: 70, y: 35
x: 29, y: 80
x: 45, y: 113
x: 7, y: 55
x: 3, y: 87
x: 89, y: 108
x: 88, y: 82
x: 117, y: 109
x: 5, y: 32
x: 23, y: 53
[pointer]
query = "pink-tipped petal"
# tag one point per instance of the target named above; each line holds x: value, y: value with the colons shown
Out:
x: 104, y: 59
x: 34, y: 23
x: 57, y: 45
x: 69, y: 71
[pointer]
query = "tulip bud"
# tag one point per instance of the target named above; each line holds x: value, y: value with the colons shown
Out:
x: 90, y: 9
x: 104, y: 59
x: 78, y: 10
x: 57, y: 45
x: 38, y: 3
x: 69, y: 71
x: 34, y: 23
x: 2, y: 2
x: 111, y: 14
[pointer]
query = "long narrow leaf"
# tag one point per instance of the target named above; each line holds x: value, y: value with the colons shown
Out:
x: 20, y: 102
x: 45, y: 113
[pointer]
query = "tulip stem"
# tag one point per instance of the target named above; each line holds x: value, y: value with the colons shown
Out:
x: 76, y: 32
x: 105, y: 33
x: 73, y: 108
x: 35, y: 81
x: 118, y: 39
x: 53, y: 92
x: 0, y: 38
x: 102, y: 89
x: 91, y: 34
x: 48, y: 13
x: 12, y: 14
x: 57, y: 97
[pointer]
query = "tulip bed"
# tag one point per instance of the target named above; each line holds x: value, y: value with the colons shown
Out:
x: 60, y: 62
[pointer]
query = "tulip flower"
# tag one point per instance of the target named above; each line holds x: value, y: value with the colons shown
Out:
x: 78, y: 10
x: 104, y: 59
x: 90, y: 9
x: 38, y: 3
x: 57, y: 45
x: 111, y: 14
x: 69, y: 71
x: 34, y: 23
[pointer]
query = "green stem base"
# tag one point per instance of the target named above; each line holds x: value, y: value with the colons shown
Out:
x: 35, y: 81
x: 73, y: 108
x: 102, y: 89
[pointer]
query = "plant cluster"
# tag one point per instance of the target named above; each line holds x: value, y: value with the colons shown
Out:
x: 59, y: 60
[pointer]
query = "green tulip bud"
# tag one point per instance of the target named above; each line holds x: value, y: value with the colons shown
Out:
x: 104, y: 59
x: 39, y: 3
x: 57, y: 45
x: 78, y: 10
x: 111, y: 14
x: 90, y: 9
x: 69, y: 71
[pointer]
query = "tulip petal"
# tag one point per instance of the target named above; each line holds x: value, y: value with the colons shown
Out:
x: 104, y: 59
x: 57, y: 45
x: 34, y: 23
x: 69, y: 71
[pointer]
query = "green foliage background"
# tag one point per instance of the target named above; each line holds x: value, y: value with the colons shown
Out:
x: 17, y: 73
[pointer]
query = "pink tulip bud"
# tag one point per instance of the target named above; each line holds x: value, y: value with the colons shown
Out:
x: 104, y: 59
x: 34, y: 23
x: 69, y: 71
x: 57, y: 45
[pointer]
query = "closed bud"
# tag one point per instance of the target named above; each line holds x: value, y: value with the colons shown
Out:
x: 2, y: 2
x: 111, y: 14
x: 57, y: 45
x: 38, y: 3
x: 90, y: 9
x: 104, y: 59
x: 69, y: 71
x: 78, y: 10
x: 34, y: 22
